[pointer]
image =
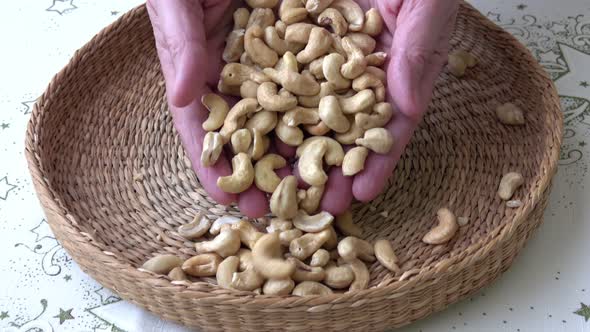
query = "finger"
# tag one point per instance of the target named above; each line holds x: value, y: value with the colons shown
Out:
x: 182, y: 35
x: 284, y: 171
x: 283, y: 149
x: 253, y: 203
x: 378, y: 168
x: 219, y: 14
x: 389, y: 11
x: 338, y: 193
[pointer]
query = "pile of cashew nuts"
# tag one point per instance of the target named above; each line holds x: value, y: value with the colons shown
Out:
x: 314, y: 79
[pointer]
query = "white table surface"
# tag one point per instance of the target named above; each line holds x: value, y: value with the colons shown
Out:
x: 44, y: 290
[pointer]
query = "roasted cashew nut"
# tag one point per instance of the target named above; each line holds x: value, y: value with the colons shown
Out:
x: 359, y: 102
x: 331, y: 69
x: 338, y: 277
x: 285, y: 237
x: 333, y: 18
x: 260, y: 144
x: 315, y: 68
x: 315, y: 7
x: 510, y: 114
x: 334, y: 153
x: 292, y: 11
x: 373, y: 23
x: 262, y: 3
x: 310, y: 163
x: 382, y: 113
x: 306, y: 245
x: 162, y: 264
x: 361, y: 275
x: 292, y: 136
x: 364, y: 41
x: 302, y: 85
x: 212, y: 147
x: 377, y: 72
x: 345, y: 225
x: 219, y: 223
x: 352, y: 247
x: 283, y: 202
x: 196, y: 228
x: 508, y: 185
x: 249, y: 89
x: 378, y: 140
x: 265, y: 177
x: 269, y: 98
x: 227, y: 243
x: 240, y: 140
x: 356, y: 62
x: 226, y: 89
x: 258, y: 51
x: 304, y: 272
x: 309, y: 288
x: 386, y: 256
x: 264, y: 122
x: 279, y: 45
x: 318, y: 44
x: 351, y: 135
x: 376, y: 59
x: 279, y: 225
x: 314, y: 101
x: 301, y: 115
x: 177, y: 274
x: 248, y: 280
x: 317, y: 130
x: 298, y: 32
x: 242, y: 176
x: 352, y: 12
x: 203, y: 265
x: 368, y: 80
x: 267, y: 258
x: 234, y: 46
x: 235, y: 74
x: 320, y: 258
x: 236, y: 117
x: 225, y: 271
x: 241, y: 17
x: 313, y: 197
x: 278, y: 286
x: 331, y: 114
x: 261, y: 17
x: 247, y: 232
x: 354, y: 160
x: 314, y: 223
x: 218, y: 110
x: 445, y: 230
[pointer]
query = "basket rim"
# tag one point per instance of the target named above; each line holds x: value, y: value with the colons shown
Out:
x: 473, y: 253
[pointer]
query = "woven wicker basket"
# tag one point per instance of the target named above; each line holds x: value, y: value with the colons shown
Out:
x: 103, y: 120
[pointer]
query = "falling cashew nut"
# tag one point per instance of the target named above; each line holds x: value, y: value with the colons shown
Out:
x: 312, y: 224
x: 313, y: 197
x: 225, y: 271
x: 267, y: 258
x: 283, y: 202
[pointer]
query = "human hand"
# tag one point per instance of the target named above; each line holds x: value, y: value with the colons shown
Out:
x: 416, y: 36
x: 190, y: 37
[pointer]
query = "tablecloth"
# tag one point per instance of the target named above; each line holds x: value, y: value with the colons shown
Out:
x: 547, y: 289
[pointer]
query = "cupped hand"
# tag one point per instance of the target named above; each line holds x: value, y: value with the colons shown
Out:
x: 190, y: 37
x: 416, y: 38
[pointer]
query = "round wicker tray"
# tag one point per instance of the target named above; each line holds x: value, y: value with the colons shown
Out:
x: 115, y: 183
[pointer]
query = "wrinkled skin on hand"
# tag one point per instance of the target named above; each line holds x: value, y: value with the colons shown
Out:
x: 190, y: 37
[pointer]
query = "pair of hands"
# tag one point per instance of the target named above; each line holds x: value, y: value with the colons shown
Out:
x: 190, y: 37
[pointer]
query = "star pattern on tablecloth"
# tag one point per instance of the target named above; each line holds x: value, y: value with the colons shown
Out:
x: 4, y: 315
x: 114, y: 12
x: 64, y: 315
x: 67, y: 277
x: 62, y: 6
x: 549, y: 56
x: 522, y: 6
x: 42, y: 231
x: 28, y: 106
x: 584, y: 84
x: 5, y: 188
x: 494, y: 16
x: 557, y: 28
x: 4, y: 125
x: 569, y: 83
x: 584, y: 311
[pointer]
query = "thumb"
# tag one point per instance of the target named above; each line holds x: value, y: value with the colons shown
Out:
x: 180, y: 40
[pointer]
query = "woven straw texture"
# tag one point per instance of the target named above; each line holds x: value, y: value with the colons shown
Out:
x: 115, y: 184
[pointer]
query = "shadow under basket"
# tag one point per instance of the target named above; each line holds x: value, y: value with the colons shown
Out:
x: 115, y: 183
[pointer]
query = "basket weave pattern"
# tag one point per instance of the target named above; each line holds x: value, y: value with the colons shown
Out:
x: 115, y: 184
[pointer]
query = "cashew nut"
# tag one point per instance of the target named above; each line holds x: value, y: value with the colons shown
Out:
x: 246, y: 261
x: 352, y: 12
x: 226, y: 89
x: 278, y: 286
x: 320, y: 258
x: 292, y: 136
x: 314, y: 101
x: 242, y: 176
x: 337, y: 45
x: 261, y: 17
x: 317, y: 6
x: 177, y: 274
x: 307, y: 244
x: 312, y: 224
x: 467, y: 57
x: 445, y: 230
x: 241, y: 16
x: 373, y: 23
x: 292, y: 11
x: 510, y: 114
x: 332, y: 241
x: 262, y: 3
x: 368, y: 80
x: 269, y: 98
x: 225, y: 271
x: 298, y: 32
x: 234, y: 46
x: 225, y: 244
x: 212, y: 147
x: 376, y: 59
x: 338, y: 277
x: 289, y: 235
x: 288, y: 63
x: 302, y: 85
x: 247, y: 280
x: 258, y: 51
x: 249, y: 89
x: 221, y: 221
x: 351, y: 135
x: 335, y: 20
x: 246, y: 60
x: 378, y: 140
x: 234, y: 74
x: 386, y: 256
x: 315, y: 68
x: 356, y: 63
x: 264, y: 122
x: 281, y: 28
x: 310, y: 163
x: 279, y: 45
x: 218, y: 109
x: 264, y: 176
x: 236, y: 117
x: 283, y: 202
x: 317, y: 130
x: 345, y: 225
x: 377, y: 72
x: 279, y: 225
x: 309, y: 288
x: 162, y: 264
x: 352, y: 247
x: 359, y: 102
x: 259, y: 145
x: 354, y: 160
x: 304, y: 272
x: 267, y: 258
x: 508, y: 185
x: 331, y: 69
x: 313, y: 197
x: 364, y: 41
x: 196, y: 228
x: 382, y: 113
x: 240, y: 140
x: 361, y: 275
x: 203, y: 265
x: 456, y: 65
x: 331, y: 114
x: 301, y: 115
x: 318, y: 44
x: 247, y: 232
